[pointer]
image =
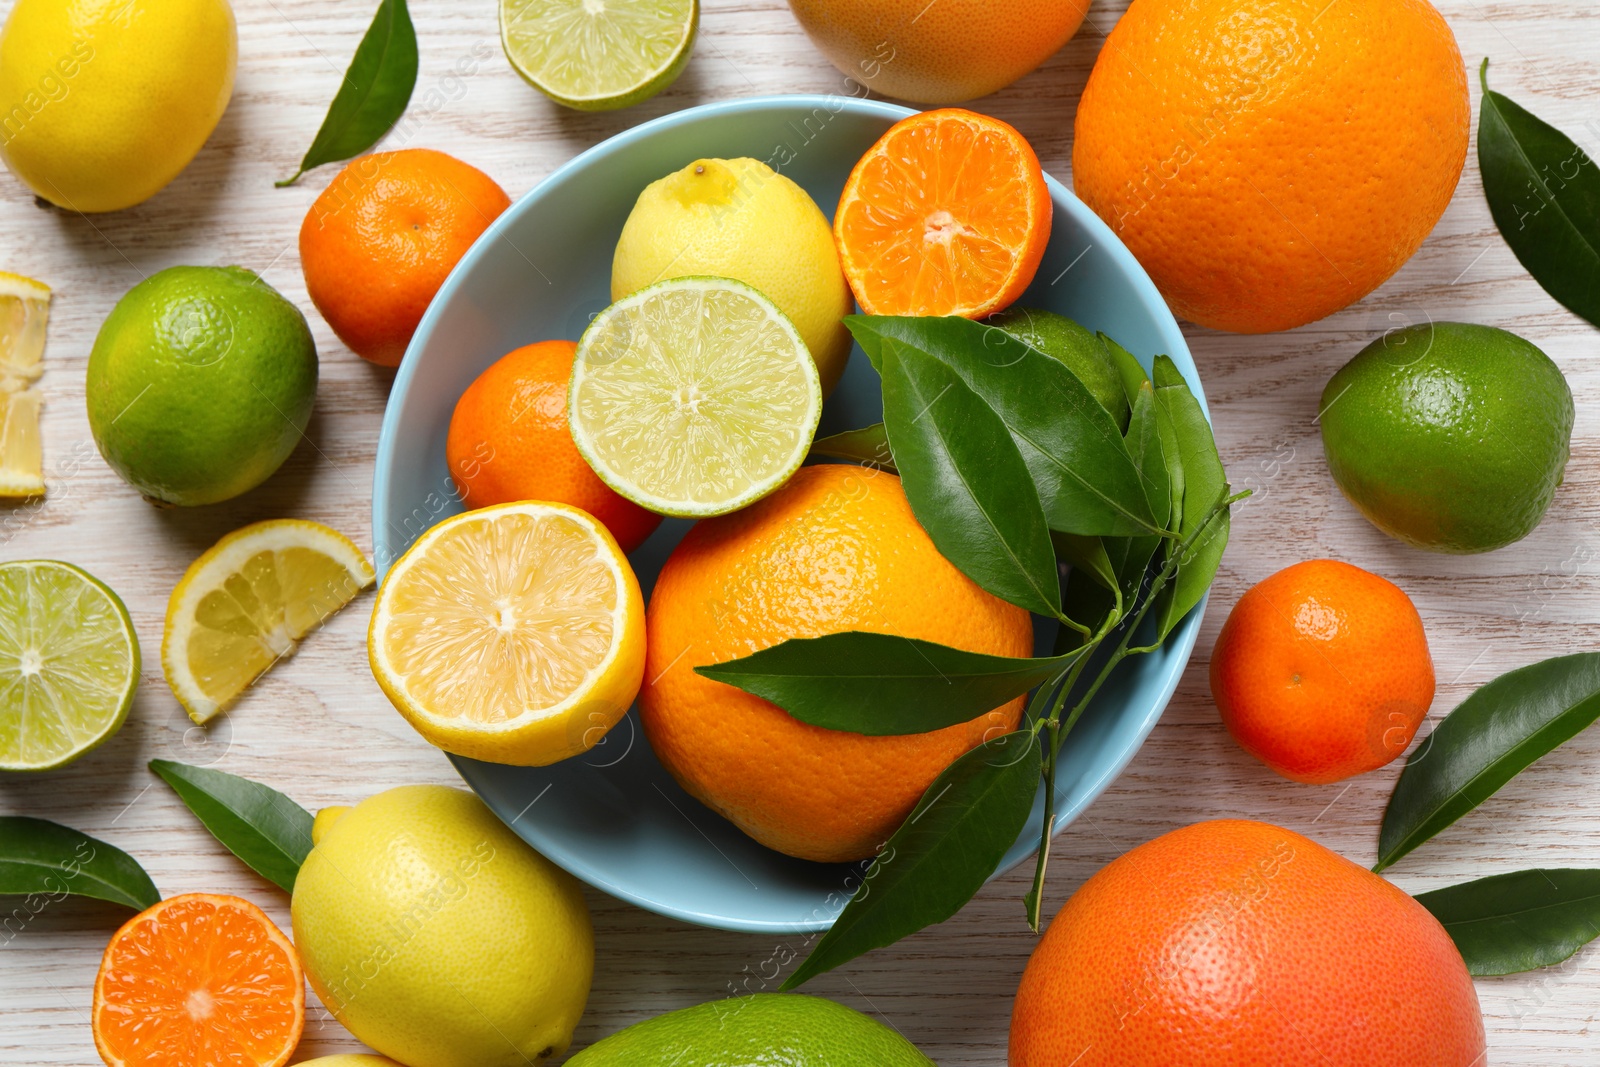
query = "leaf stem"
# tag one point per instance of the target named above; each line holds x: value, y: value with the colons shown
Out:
x: 1059, y: 730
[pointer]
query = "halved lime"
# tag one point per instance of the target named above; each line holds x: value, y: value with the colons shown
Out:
x: 694, y: 396
x: 596, y: 55
x: 69, y: 664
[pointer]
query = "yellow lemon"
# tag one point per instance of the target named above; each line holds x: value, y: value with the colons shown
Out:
x: 349, y: 1059
x: 438, y: 937
x: 740, y: 219
x: 24, y: 313
x: 103, y: 102
x: 512, y: 634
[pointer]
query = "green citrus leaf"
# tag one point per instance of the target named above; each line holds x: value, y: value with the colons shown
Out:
x: 1085, y: 479
x: 45, y: 860
x: 1087, y: 554
x: 941, y: 855
x: 868, y: 446
x: 1544, y: 193
x: 965, y: 479
x: 1203, y: 484
x: 1128, y: 367
x: 1520, y: 921
x: 375, y: 91
x: 880, y: 684
x: 260, y: 825
x: 1481, y: 745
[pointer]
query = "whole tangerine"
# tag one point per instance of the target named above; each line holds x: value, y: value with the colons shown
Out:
x: 1272, y: 161
x: 509, y: 440
x: 837, y: 548
x: 383, y: 236
x: 1322, y: 671
x: 1234, y: 943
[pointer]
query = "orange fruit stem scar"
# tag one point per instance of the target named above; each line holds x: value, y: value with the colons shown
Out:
x: 947, y: 214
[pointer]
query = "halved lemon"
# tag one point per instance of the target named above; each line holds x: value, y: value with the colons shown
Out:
x: 596, y: 55
x: 69, y: 664
x: 24, y: 315
x: 693, y: 396
x: 246, y: 603
x: 512, y: 634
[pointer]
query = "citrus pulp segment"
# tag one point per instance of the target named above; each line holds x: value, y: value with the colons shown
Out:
x: 24, y: 314
x: 512, y: 634
x: 694, y: 396
x: 596, y: 55
x: 247, y: 602
x: 69, y: 664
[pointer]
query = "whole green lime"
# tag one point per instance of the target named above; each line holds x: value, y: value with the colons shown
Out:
x: 1449, y: 436
x: 200, y: 384
x: 1060, y: 337
x: 761, y: 1030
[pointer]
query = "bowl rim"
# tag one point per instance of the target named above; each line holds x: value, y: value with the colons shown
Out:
x: 1178, y: 647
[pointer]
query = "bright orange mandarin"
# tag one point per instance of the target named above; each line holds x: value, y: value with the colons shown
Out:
x: 199, y: 979
x: 948, y: 214
x: 383, y: 236
x: 940, y: 53
x: 1322, y: 671
x: 837, y: 548
x: 509, y: 441
x: 1239, y: 944
x: 1272, y: 161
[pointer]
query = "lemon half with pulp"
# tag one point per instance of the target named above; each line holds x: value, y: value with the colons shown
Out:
x: 512, y: 634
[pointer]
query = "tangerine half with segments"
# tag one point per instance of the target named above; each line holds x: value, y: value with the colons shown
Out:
x: 948, y: 214
x: 200, y: 978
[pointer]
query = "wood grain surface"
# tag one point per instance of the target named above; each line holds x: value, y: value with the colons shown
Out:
x: 319, y: 729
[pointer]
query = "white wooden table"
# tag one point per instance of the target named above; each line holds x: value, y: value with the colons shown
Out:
x: 319, y: 729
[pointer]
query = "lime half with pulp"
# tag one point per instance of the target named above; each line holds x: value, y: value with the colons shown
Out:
x: 69, y: 664
x: 694, y: 396
x: 596, y: 55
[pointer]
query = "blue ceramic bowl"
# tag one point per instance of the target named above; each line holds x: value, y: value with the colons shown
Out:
x: 614, y: 817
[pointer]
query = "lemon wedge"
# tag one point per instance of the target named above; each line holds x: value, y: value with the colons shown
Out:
x: 246, y: 603
x: 24, y: 314
x: 512, y: 634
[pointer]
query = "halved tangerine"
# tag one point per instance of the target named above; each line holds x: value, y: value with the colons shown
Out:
x: 199, y: 979
x: 948, y: 214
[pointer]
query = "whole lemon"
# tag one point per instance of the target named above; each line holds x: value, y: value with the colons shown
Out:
x: 437, y: 936
x: 740, y: 219
x: 200, y: 384
x: 349, y: 1059
x: 103, y: 102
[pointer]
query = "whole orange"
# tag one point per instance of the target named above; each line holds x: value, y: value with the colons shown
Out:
x: 509, y: 441
x: 835, y: 549
x: 1239, y: 944
x: 1272, y: 161
x: 383, y: 236
x: 1322, y: 671
x: 938, y: 53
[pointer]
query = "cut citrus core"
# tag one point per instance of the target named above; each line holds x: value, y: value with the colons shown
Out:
x: 69, y: 664
x: 512, y: 634
x: 199, y: 979
x: 694, y: 396
x: 247, y: 602
x: 948, y: 214
x: 24, y: 314
x: 595, y: 56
